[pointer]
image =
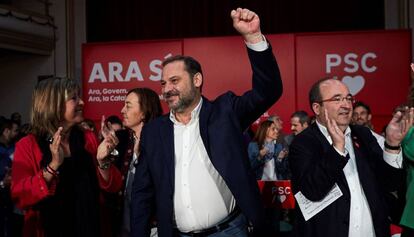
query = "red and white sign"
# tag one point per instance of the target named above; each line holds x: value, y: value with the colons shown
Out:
x: 374, y: 64
x: 110, y: 70
x: 277, y: 194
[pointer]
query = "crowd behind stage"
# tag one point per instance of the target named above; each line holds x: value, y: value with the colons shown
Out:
x: 196, y: 170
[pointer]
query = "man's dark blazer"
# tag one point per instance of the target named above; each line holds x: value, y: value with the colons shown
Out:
x: 316, y: 167
x: 222, y: 123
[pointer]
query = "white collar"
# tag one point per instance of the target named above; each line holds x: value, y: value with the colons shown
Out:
x: 194, y: 114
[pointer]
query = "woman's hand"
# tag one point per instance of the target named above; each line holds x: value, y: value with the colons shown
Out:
x: 282, y: 154
x: 107, y: 146
x: 56, y: 150
x: 398, y: 127
x: 262, y: 152
x: 106, y: 129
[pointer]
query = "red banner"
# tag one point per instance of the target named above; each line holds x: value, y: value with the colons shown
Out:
x: 110, y: 70
x: 277, y: 194
x: 374, y: 64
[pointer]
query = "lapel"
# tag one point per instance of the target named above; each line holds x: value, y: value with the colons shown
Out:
x: 203, y: 123
x: 357, y: 142
x: 360, y: 156
x: 319, y: 135
x: 167, y: 140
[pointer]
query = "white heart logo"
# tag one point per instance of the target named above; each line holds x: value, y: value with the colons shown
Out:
x: 355, y: 84
x: 282, y: 198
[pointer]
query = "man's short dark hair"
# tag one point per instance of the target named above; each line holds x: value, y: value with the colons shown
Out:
x: 315, y: 91
x: 302, y: 116
x: 192, y: 66
x: 363, y: 105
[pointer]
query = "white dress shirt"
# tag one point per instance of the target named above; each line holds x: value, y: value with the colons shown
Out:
x: 360, y: 219
x: 380, y: 139
x: 201, y: 197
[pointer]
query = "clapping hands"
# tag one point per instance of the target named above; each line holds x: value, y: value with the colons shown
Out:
x: 109, y: 142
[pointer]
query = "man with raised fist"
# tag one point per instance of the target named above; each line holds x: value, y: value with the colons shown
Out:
x: 193, y: 171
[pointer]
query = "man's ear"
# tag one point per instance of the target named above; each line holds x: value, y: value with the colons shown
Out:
x: 198, y: 80
x: 369, y: 117
x: 316, y: 107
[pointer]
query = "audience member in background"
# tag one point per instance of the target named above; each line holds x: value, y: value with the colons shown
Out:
x: 267, y: 159
x: 299, y: 120
x: 279, y: 126
x: 59, y: 170
x: 17, y: 118
x: 407, y: 219
x: 23, y: 131
x: 141, y: 106
x: 115, y: 122
x: 362, y: 116
x: 266, y: 156
x: 8, y: 132
x: 89, y: 124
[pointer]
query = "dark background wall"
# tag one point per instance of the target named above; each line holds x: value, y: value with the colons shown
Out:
x: 115, y: 20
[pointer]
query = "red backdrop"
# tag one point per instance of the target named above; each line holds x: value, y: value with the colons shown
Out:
x: 374, y: 64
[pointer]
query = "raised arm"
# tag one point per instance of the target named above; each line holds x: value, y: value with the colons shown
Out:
x: 266, y: 81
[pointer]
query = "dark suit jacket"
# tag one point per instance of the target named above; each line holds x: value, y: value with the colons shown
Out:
x: 316, y: 167
x: 222, y: 123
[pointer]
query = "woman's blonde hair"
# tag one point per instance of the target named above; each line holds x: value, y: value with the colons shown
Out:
x: 48, y: 104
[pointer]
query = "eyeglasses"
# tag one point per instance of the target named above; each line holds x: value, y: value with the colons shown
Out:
x: 338, y: 99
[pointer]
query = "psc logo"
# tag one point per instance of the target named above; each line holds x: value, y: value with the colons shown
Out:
x: 280, y: 193
x: 351, y: 63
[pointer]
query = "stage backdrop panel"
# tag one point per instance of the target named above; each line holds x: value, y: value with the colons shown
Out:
x: 374, y: 64
x: 226, y: 67
x: 110, y: 70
